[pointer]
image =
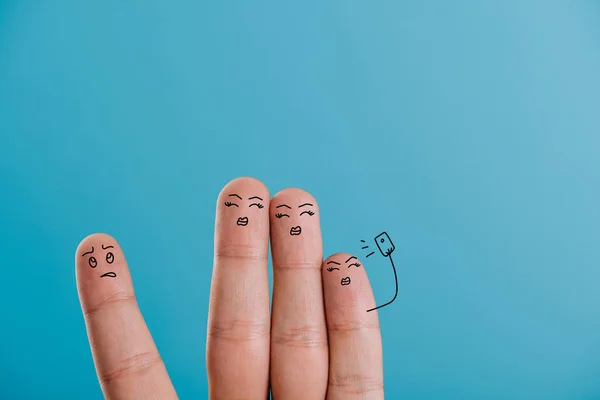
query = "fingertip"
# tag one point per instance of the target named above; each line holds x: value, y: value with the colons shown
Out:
x: 346, y: 284
x: 245, y: 184
x: 294, y: 214
x: 101, y: 268
x: 93, y: 239
x: 294, y: 195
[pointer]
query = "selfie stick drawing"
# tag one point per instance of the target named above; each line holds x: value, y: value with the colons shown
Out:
x: 386, y: 247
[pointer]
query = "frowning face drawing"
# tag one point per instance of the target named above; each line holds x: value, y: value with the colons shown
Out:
x: 343, y: 270
x: 295, y: 214
x: 243, y: 208
x: 101, y: 259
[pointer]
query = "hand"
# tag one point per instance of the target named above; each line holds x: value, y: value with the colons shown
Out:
x: 319, y: 342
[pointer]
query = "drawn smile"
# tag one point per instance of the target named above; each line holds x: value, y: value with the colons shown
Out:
x: 242, y: 221
x: 345, y: 281
x: 295, y: 231
x: 109, y: 274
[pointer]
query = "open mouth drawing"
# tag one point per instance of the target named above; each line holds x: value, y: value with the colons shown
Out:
x: 345, y: 281
x: 295, y: 231
x: 109, y: 275
x: 242, y: 221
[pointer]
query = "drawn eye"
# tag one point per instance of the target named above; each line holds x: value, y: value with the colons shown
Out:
x: 332, y: 268
x: 281, y: 215
x: 307, y: 212
x: 257, y: 205
x: 354, y: 264
x: 92, y: 261
x: 229, y: 204
x: 110, y: 257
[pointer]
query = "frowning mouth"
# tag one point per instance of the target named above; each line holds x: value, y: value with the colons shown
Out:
x: 345, y: 281
x: 109, y: 274
x: 295, y: 231
x: 242, y: 221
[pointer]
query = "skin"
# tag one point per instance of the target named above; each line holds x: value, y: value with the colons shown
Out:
x: 318, y: 343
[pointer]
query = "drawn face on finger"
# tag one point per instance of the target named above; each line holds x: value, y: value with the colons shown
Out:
x: 243, y: 210
x: 343, y: 270
x: 294, y: 215
x: 101, y: 260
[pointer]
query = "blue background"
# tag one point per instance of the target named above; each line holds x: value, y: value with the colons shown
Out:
x: 469, y: 131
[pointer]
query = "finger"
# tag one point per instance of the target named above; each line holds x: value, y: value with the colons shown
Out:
x: 356, y: 362
x: 298, y: 333
x: 238, y: 319
x: 127, y: 362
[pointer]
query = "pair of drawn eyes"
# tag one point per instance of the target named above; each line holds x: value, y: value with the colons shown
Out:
x: 229, y: 204
x: 110, y: 257
x: 279, y: 215
x: 351, y: 265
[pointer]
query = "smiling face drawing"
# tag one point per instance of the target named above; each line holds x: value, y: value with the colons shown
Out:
x: 351, y: 262
x: 235, y: 201
x: 304, y: 210
x: 106, y: 257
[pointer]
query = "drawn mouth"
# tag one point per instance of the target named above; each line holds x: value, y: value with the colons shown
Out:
x: 295, y: 231
x: 242, y: 221
x: 345, y: 281
x: 109, y: 274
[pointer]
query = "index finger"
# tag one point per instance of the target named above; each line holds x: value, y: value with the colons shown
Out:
x: 238, y: 320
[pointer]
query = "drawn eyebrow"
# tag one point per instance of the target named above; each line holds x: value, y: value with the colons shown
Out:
x: 284, y: 205
x: 107, y: 247
x: 351, y: 258
x: 88, y: 252
x: 236, y: 195
x: 305, y: 204
x: 333, y: 262
x: 255, y: 197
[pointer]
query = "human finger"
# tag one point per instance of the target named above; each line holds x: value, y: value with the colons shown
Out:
x: 298, y: 333
x: 355, y: 351
x: 127, y: 361
x: 237, y: 353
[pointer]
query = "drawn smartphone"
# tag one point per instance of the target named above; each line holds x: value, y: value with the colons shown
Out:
x: 384, y: 243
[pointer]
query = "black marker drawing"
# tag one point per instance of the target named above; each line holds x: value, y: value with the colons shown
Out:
x: 345, y: 281
x: 386, y: 248
x: 110, y: 258
x: 295, y: 230
x: 259, y: 205
x: 243, y: 221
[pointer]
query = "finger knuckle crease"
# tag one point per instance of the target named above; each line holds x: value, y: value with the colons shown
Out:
x: 356, y: 383
x: 355, y: 326
x: 239, y: 330
x: 238, y: 252
x: 301, y: 336
x: 136, y: 364
x: 299, y: 265
x: 111, y: 301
